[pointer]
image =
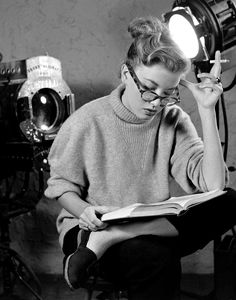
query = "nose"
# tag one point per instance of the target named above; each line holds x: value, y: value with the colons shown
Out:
x: 160, y: 92
x: 155, y: 102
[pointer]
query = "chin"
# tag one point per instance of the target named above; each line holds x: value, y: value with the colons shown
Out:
x: 145, y: 117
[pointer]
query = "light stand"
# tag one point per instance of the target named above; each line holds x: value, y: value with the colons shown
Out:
x: 213, y: 27
x: 34, y: 102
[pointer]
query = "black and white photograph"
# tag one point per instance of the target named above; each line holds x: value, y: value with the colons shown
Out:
x: 117, y: 149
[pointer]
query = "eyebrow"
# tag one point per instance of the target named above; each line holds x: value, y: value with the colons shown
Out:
x: 156, y: 84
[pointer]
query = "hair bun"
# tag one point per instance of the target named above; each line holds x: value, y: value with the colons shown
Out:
x: 144, y: 27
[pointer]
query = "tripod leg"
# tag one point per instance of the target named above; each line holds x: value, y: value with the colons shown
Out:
x: 26, y: 275
x: 16, y: 268
x: 7, y: 279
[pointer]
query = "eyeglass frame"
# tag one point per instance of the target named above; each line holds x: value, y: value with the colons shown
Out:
x: 142, y: 91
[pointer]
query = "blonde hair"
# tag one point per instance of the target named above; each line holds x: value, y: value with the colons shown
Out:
x: 153, y: 44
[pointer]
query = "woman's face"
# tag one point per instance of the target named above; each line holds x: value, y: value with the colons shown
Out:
x: 155, y: 78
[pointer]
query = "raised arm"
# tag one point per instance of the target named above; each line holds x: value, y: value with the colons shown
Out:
x: 206, y: 95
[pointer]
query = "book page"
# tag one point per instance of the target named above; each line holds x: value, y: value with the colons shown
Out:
x: 121, y: 212
x: 174, y: 205
x: 188, y: 200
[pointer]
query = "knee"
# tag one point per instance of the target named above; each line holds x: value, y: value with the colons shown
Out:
x: 145, y: 264
x: 149, y: 255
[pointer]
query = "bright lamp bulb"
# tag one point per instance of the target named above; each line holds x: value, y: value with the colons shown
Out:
x: 44, y: 127
x: 43, y: 99
x: 184, y: 35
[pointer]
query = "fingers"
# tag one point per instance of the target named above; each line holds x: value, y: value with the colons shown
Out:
x: 205, y: 88
x: 83, y: 225
x: 214, y: 74
x: 89, y: 219
x: 206, y: 92
x: 217, y: 87
x: 216, y: 69
x: 210, y: 76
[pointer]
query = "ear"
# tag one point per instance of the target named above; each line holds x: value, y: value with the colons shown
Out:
x: 124, y: 72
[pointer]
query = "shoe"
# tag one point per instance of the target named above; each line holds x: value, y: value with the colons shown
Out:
x: 78, y: 265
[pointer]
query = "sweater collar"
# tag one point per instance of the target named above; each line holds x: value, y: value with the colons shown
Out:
x: 120, y: 109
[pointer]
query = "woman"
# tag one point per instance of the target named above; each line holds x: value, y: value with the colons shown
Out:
x: 122, y: 149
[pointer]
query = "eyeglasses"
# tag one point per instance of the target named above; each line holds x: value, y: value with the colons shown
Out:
x: 149, y: 96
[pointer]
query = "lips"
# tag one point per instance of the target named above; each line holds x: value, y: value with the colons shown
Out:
x: 150, y: 112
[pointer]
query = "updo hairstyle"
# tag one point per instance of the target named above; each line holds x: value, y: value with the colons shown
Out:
x: 152, y: 44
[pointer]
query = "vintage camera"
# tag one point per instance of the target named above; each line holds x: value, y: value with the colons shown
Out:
x: 34, y: 102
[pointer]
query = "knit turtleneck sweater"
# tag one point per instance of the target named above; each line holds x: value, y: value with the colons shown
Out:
x: 108, y: 156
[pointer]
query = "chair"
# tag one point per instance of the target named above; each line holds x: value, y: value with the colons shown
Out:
x: 107, y: 289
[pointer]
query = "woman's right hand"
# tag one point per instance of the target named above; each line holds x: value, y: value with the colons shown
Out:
x: 89, y: 219
x: 208, y: 91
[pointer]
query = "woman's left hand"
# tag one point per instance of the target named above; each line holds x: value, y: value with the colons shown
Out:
x: 208, y: 91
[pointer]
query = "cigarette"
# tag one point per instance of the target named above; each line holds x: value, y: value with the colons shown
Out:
x: 222, y: 61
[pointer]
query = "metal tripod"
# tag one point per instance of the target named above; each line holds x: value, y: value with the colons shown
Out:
x: 13, y: 268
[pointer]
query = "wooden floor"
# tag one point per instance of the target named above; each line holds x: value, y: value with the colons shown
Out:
x: 54, y: 288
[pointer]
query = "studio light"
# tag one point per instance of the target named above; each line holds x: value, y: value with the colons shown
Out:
x: 34, y: 102
x: 201, y: 27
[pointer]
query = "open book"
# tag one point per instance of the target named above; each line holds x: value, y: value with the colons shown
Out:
x: 172, y: 206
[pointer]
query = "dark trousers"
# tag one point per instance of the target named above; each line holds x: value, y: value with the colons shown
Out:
x: 149, y: 266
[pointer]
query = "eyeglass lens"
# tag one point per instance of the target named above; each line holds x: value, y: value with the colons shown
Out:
x: 150, y: 96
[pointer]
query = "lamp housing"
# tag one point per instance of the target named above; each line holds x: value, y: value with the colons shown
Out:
x: 214, y: 22
x: 34, y: 102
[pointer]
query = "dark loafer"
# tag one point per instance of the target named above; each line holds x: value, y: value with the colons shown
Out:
x: 78, y: 265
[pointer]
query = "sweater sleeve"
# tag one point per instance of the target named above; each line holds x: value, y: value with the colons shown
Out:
x: 187, y: 156
x: 66, y: 160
